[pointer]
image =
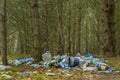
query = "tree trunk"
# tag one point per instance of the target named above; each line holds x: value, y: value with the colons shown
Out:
x: 79, y: 28
x: 69, y: 29
x: 46, y: 23
x: 36, y: 35
x: 4, y: 34
x: 108, y: 9
x: 86, y: 37
x: 60, y: 28
x: 21, y: 42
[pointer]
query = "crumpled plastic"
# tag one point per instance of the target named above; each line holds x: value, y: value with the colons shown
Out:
x: 20, y: 61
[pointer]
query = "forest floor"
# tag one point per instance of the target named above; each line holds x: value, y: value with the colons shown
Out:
x: 61, y: 74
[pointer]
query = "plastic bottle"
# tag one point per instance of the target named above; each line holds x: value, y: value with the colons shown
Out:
x: 78, y: 54
x: 47, y: 57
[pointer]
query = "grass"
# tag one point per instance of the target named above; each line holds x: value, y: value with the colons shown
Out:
x: 17, y: 55
x: 115, y: 62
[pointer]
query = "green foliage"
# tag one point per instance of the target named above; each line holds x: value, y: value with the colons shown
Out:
x: 20, y: 25
x: 15, y: 69
x: 39, y: 77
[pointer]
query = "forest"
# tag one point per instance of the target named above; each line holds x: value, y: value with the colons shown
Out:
x: 37, y: 31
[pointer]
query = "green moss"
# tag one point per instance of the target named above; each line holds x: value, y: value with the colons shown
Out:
x: 15, y: 69
x: 39, y: 77
x: 114, y: 63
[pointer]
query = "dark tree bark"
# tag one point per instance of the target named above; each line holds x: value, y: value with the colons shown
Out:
x: 21, y: 43
x: 31, y: 30
x: 4, y: 34
x: 69, y: 29
x: 86, y: 37
x: 46, y: 23
x: 108, y: 9
x: 74, y: 33
x: 36, y: 29
x: 79, y: 28
x: 60, y: 28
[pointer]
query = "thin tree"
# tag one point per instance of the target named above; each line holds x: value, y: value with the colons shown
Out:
x: 69, y: 29
x: 46, y: 23
x: 36, y: 30
x: 79, y: 27
x: 108, y: 9
x: 60, y: 28
x: 4, y: 34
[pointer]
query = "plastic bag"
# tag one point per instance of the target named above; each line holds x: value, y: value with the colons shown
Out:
x: 47, y: 57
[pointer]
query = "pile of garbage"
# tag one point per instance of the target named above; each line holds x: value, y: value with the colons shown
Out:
x: 88, y: 62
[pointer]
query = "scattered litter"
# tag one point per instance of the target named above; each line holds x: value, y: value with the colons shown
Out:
x: 107, y: 72
x: 3, y: 67
x: 49, y: 74
x: 63, y: 71
x: 11, y: 62
x: 48, y: 70
x: 69, y: 75
x: 35, y: 65
x: 27, y: 73
x: 88, y: 68
x: 117, y: 71
x: 35, y: 72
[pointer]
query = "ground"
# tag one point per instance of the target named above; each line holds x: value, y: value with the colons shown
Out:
x: 62, y: 74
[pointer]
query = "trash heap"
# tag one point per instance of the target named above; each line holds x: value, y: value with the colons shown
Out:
x: 88, y: 62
